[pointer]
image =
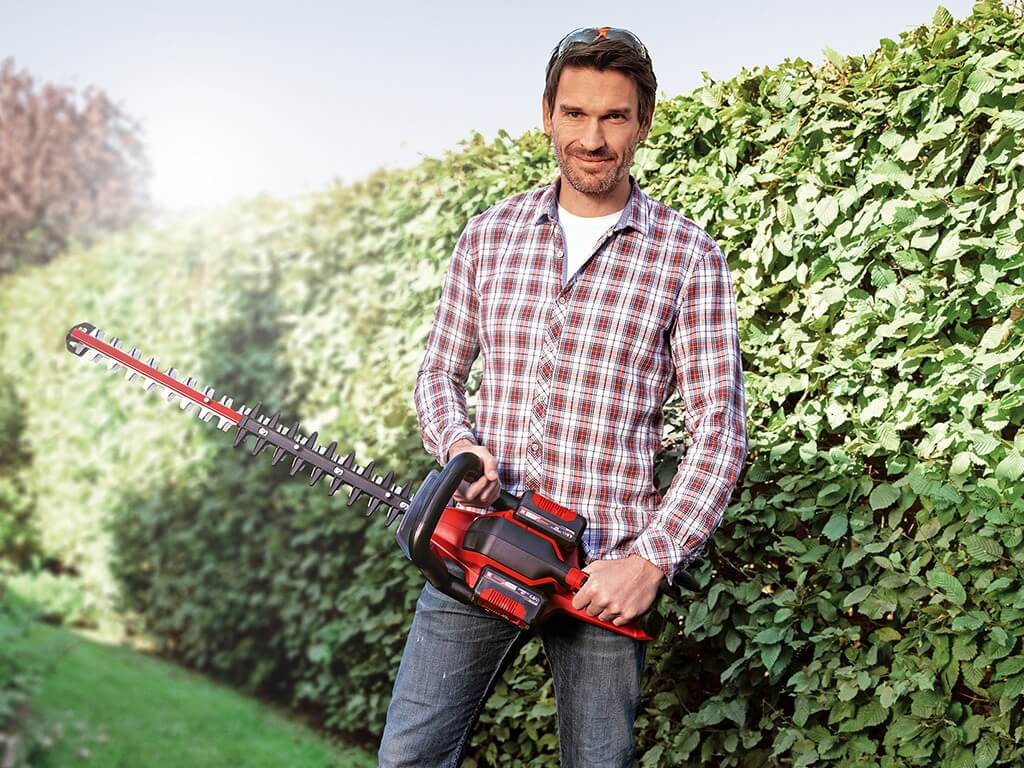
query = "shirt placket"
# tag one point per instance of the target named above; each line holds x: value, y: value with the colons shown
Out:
x: 545, y: 372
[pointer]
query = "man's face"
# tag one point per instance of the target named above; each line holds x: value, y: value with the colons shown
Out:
x: 595, y: 128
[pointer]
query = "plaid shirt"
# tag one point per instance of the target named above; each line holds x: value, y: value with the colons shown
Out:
x: 576, y: 370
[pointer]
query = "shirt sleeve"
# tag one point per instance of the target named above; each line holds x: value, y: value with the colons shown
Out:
x: 453, y: 345
x: 706, y: 358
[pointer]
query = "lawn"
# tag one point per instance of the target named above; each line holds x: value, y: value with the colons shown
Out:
x: 103, y: 706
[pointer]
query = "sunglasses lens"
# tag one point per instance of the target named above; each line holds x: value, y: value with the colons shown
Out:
x: 588, y: 35
x: 581, y: 35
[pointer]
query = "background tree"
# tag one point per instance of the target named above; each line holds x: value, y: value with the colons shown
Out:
x: 71, y: 165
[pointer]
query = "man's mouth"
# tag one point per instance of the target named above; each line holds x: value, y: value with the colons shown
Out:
x: 592, y: 160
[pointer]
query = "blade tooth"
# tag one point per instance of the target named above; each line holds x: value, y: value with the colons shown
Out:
x: 114, y: 366
x: 386, y: 480
x: 173, y: 374
x: 191, y: 383
x: 255, y: 412
x: 272, y: 424
x: 367, y: 471
x: 153, y: 385
x: 97, y: 356
x: 226, y: 401
x: 134, y: 354
x: 98, y: 335
x: 261, y: 443
x: 334, y: 486
x: 240, y: 437
x: 405, y: 491
x: 116, y: 343
x: 185, y: 404
x: 311, y: 441
x: 153, y: 363
x: 208, y: 392
x: 297, y: 465
x: 392, y: 514
x: 374, y: 503
x: 329, y: 451
x: 354, y: 496
x: 315, y: 475
x: 349, y: 460
x: 206, y: 415
x: 224, y: 424
x: 94, y: 333
x: 279, y: 454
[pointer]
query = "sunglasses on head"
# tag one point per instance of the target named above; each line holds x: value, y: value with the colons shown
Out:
x: 588, y: 35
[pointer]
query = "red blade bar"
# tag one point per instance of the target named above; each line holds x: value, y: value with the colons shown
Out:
x: 81, y: 336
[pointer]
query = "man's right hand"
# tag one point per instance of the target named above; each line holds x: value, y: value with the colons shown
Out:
x: 485, y: 489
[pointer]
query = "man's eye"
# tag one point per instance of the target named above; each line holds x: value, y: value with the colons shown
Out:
x: 573, y: 114
x: 616, y: 115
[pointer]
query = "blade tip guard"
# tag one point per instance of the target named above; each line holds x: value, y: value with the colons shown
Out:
x: 74, y: 347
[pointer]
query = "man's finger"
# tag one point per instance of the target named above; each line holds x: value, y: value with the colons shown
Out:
x: 477, y: 488
x: 581, y: 598
x: 491, y: 493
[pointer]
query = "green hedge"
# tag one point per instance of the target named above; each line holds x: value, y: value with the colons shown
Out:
x: 863, y: 601
x: 19, y: 678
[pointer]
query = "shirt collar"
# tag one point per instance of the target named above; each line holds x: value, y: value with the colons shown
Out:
x: 633, y: 215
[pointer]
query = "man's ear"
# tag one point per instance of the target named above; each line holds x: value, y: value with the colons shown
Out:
x: 644, y: 130
x: 545, y: 115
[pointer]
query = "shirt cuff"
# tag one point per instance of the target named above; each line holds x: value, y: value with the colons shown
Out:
x: 451, y: 436
x: 657, y: 547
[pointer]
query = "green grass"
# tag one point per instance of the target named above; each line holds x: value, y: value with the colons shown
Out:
x: 105, y: 706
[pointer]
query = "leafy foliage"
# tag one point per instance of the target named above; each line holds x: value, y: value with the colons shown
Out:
x: 19, y: 679
x: 18, y: 538
x: 863, y: 599
x: 71, y: 166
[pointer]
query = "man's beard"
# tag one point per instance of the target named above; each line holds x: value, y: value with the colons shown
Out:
x: 595, y: 185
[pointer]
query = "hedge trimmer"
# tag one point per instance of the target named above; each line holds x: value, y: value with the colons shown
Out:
x: 520, y: 562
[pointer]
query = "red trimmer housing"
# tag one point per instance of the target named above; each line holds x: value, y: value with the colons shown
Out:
x: 520, y: 562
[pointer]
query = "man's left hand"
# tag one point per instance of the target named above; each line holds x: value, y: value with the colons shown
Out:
x: 619, y: 590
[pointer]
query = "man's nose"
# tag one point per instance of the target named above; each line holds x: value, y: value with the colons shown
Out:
x: 592, y: 137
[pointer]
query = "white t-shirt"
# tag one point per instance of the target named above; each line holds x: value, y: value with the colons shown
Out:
x: 581, y: 235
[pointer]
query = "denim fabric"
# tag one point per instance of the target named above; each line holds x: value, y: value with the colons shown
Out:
x: 455, y: 654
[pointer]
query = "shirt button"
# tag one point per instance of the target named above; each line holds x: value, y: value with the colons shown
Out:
x: 534, y: 448
x: 562, y: 299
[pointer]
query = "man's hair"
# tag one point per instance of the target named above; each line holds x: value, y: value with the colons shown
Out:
x: 603, y: 55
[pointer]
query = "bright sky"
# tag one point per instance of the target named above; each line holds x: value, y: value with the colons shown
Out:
x: 245, y: 97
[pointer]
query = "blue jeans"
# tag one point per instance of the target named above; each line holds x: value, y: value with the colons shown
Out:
x: 456, y: 653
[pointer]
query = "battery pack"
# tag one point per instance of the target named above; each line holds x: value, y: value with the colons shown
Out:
x: 511, y: 599
x: 563, y: 525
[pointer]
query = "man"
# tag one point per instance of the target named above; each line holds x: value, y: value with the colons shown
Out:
x: 588, y: 301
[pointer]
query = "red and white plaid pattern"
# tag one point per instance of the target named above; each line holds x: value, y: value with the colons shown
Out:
x: 575, y: 372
